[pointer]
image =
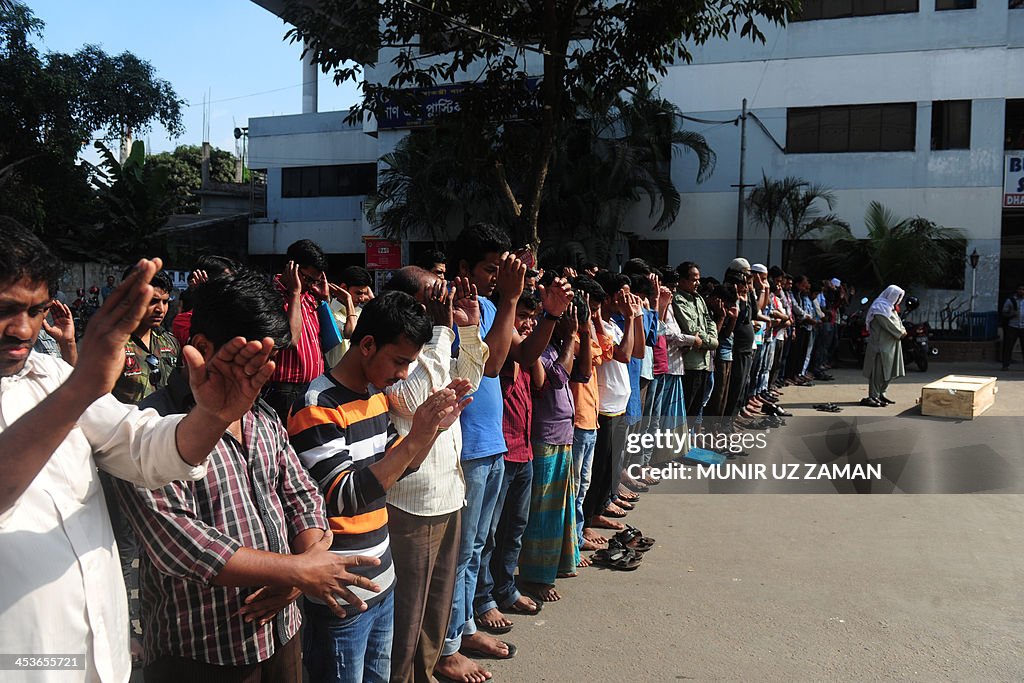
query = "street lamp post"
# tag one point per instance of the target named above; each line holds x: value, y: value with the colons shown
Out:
x: 975, y: 257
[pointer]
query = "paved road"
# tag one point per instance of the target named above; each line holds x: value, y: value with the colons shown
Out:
x: 790, y: 587
x: 805, y: 587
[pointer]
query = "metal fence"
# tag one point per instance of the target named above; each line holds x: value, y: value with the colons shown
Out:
x: 964, y: 325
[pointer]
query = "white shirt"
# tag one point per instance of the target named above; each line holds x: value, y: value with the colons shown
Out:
x: 612, y: 377
x: 61, y: 589
x: 438, y: 486
x: 677, y: 343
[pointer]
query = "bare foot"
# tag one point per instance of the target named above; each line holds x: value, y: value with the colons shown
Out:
x: 602, y: 522
x: 567, y: 575
x: 614, y: 509
x: 585, y: 562
x: 460, y: 668
x: 524, y: 605
x: 594, y: 537
x: 545, y: 592
x: 588, y: 546
x: 494, y: 620
x: 485, y: 645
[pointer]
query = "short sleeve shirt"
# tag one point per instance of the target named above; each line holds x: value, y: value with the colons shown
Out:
x: 146, y: 369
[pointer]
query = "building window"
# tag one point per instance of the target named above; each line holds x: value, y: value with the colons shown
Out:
x: 859, y: 128
x: 951, y: 124
x: 1014, y: 131
x: 837, y: 9
x: 954, y: 4
x: 353, y: 180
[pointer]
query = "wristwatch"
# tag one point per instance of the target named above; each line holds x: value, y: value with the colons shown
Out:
x: 547, y: 316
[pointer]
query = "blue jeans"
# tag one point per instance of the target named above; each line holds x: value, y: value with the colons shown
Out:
x: 583, y: 443
x: 766, y: 366
x: 483, y: 484
x: 496, y: 588
x: 652, y: 414
x: 356, y: 649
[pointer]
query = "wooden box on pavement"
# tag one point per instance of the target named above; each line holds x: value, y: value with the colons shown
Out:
x: 960, y: 396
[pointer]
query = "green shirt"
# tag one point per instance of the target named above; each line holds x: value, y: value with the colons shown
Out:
x: 693, y: 317
x: 140, y: 377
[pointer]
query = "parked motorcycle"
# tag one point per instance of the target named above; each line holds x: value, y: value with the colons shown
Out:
x: 853, y: 335
x: 916, y: 344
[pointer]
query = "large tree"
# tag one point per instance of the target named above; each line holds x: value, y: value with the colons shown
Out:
x: 51, y: 106
x: 588, y: 48
x: 614, y: 158
x: 185, y: 172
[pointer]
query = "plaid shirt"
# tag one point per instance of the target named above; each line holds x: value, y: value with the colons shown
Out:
x: 257, y: 495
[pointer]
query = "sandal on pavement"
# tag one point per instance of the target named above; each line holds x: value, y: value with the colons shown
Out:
x: 480, y: 654
x: 525, y: 612
x: 621, y: 559
x: 634, y: 539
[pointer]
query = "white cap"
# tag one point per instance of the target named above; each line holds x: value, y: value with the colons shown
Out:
x: 758, y: 268
x: 835, y: 282
x: 738, y: 265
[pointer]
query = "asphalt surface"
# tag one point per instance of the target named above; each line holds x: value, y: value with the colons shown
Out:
x: 793, y: 587
x: 816, y: 585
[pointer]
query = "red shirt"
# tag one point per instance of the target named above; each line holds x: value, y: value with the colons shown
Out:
x: 517, y: 416
x: 305, y: 362
x: 181, y: 328
x: 660, y: 356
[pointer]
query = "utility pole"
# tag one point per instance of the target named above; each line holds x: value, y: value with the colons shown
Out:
x: 741, y: 186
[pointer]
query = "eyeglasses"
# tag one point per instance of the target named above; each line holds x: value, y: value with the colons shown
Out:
x: 309, y: 279
x: 154, y: 366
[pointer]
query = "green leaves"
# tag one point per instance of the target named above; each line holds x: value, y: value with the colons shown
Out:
x: 900, y: 251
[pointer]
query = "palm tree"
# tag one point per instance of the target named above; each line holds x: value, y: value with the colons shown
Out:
x: 769, y: 201
x: 900, y: 251
x: 803, y: 216
x: 618, y: 155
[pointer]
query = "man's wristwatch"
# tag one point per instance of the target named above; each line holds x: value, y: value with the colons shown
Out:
x: 548, y: 316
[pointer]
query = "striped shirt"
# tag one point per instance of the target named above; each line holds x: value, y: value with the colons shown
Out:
x: 338, y: 433
x: 305, y: 362
x: 255, y: 495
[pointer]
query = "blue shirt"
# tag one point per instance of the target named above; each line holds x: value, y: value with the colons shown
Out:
x: 481, y: 420
x: 634, y: 408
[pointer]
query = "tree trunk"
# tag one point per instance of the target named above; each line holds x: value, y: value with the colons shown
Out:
x: 558, y: 29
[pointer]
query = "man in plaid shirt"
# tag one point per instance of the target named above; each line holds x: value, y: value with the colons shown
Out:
x: 226, y: 557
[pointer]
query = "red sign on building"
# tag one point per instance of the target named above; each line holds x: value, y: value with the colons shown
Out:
x: 382, y: 254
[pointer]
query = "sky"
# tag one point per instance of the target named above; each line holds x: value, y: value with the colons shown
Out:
x: 233, y: 51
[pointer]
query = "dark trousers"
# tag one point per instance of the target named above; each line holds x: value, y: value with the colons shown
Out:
x: 513, y: 514
x: 739, y: 380
x: 425, y: 552
x: 777, y: 361
x: 694, y: 384
x: 720, y: 391
x: 611, y: 441
x: 797, y: 353
x: 284, y: 666
x: 1011, y: 335
x: 282, y: 396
